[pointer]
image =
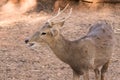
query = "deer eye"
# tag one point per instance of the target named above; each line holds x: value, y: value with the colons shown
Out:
x: 43, y: 33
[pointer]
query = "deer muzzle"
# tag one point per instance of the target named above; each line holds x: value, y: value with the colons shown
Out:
x: 27, y: 41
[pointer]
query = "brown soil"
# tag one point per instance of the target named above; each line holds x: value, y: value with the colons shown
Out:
x: 19, y: 62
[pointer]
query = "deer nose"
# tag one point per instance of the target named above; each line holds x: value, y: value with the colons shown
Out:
x: 26, y: 41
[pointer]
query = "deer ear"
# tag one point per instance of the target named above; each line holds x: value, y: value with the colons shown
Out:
x: 61, y: 23
x: 52, y: 23
x: 54, y: 32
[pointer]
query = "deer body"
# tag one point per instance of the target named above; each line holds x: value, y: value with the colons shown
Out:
x: 92, y: 51
x: 71, y: 52
x: 80, y: 53
x: 89, y: 52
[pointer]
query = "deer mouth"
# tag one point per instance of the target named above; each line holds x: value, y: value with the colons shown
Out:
x: 31, y: 44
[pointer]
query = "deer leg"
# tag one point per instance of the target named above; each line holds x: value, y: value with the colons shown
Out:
x: 97, y: 74
x: 104, y: 70
x: 86, y: 75
x: 75, y: 76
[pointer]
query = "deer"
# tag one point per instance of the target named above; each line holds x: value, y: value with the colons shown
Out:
x: 90, y: 52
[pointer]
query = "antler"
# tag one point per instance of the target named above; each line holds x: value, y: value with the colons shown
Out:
x: 68, y: 15
x: 60, y: 12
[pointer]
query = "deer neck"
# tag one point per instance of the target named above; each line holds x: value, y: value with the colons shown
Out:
x: 59, y: 47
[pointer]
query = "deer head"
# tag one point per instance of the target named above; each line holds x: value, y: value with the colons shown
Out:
x: 50, y: 30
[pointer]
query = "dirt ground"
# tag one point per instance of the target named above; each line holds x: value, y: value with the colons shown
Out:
x: 20, y: 62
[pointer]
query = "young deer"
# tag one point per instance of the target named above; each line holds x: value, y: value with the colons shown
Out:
x: 93, y: 51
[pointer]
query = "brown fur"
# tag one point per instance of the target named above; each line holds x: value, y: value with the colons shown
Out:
x: 92, y: 51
